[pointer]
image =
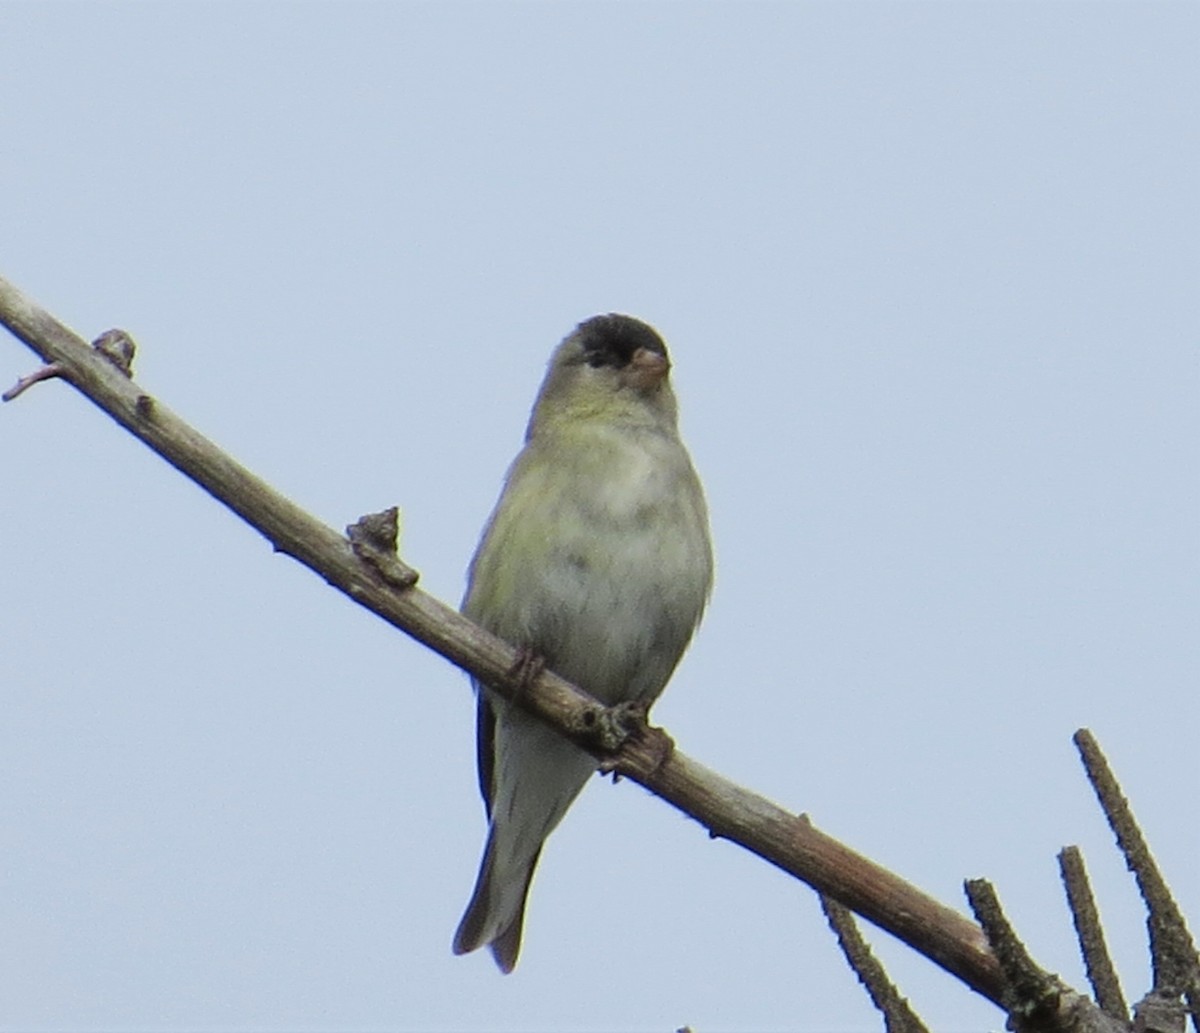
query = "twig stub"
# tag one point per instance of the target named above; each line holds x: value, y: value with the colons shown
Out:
x: 118, y: 347
x: 374, y: 538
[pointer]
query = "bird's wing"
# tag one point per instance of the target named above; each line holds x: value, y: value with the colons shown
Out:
x: 485, y: 738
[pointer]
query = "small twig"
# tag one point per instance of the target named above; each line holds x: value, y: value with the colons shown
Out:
x: 898, y: 1016
x: 48, y: 372
x: 1173, y: 951
x: 114, y: 345
x: 1100, y: 971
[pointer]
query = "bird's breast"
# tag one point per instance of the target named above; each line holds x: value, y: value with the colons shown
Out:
x: 598, y: 558
x: 624, y: 576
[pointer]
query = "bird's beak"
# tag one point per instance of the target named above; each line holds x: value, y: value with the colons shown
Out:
x: 646, y: 370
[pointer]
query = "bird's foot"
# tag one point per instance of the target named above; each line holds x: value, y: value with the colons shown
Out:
x: 627, y: 723
x: 526, y: 669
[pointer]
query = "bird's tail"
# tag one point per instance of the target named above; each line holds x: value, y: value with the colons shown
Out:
x: 536, y: 776
x: 497, y: 909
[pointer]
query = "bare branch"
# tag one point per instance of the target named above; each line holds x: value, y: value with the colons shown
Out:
x: 898, y: 1016
x: 727, y: 810
x: 1172, y: 949
x: 1029, y: 991
x: 1101, y: 973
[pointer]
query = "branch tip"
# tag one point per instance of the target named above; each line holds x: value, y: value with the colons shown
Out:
x: 50, y: 371
x: 1176, y: 963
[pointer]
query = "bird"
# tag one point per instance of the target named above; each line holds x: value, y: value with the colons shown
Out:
x: 597, y: 561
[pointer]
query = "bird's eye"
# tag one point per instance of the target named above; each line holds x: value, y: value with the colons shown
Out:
x: 597, y: 358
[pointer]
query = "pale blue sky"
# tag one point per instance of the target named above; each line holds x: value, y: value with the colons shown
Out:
x: 929, y: 274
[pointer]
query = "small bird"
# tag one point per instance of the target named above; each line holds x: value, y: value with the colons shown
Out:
x: 597, y: 562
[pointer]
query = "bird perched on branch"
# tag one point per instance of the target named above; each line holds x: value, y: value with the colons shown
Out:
x: 596, y: 561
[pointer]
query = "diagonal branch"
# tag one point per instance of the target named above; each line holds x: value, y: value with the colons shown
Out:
x: 1092, y: 944
x: 385, y: 587
x: 898, y: 1015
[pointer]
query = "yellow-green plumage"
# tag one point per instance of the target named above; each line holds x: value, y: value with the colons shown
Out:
x: 597, y: 559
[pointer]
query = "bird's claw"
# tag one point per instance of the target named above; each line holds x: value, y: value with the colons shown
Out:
x: 625, y: 722
x: 526, y: 669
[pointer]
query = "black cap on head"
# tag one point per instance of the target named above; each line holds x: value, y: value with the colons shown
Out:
x: 611, y: 340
